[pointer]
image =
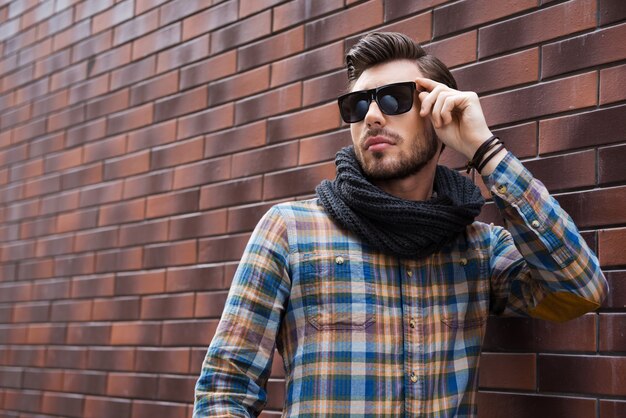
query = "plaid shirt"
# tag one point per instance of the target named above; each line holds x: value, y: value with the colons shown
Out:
x: 363, y: 333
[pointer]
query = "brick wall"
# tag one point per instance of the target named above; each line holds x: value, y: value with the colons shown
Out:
x: 141, y: 140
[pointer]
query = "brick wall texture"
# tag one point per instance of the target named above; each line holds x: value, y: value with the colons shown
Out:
x: 141, y: 141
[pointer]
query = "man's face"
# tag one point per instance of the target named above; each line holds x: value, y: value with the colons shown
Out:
x: 392, y: 146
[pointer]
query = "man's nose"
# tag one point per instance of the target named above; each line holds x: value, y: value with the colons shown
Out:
x: 374, y: 116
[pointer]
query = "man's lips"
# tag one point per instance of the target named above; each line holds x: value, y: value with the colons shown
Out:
x: 375, y: 143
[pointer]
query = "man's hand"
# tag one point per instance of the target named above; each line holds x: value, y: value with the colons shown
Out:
x: 456, y: 116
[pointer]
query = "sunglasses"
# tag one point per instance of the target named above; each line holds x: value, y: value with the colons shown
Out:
x: 392, y: 99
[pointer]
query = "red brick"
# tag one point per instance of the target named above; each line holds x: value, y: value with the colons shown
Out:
x: 44, y: 145
x: 203, y: 172
x: 539, y: 26
x: 92, y: 286
x: 208, y: 70
x: 118, y: 213
x: 297, y: 11
x: 208, y: 20
x: 66, y: 357
x: 90, y: 8
x: 230, y: 193
x: 45, y: 334
x: 131, y: 385
x: 155, y: 41
x: 167, y: 306
x: 170, y: 254
x: 127, y: 165
x: 245, y: 218
x: 140, y: 283
x: 210, y: 304
x: 197, y: 277
x: 616, y: 298
x: 141, y: 24
x: 213, y: 250
x: 96, y: 239
x: 105, y: 148
x: 64, y: 160
x: 322, y: 147
x: 610, y: 247
x: 326, y: 58
x: 55, y: 245
x: 243, y: 31
x: 565, y: 171
x: 93, y: 383
x: 498, y: 73
x: 177, y: 153
x: 612, y: 409
x: 198, y: 225
x: 74, y: 264
x: 599, y: 47
x: 23, y: 210
x: 241, y: 85
x: 299, y: 181
x: 51, y: 289
x: 193, y: 332
x: 135, y: 72
x: 115, y: 58
x: 295, y: 125
x: 120, y: 12
x: 177, y: 388
x: 265, y: 160
x: 172, y: 203
x: 71, y: 310
x: 611, y: 11
x: 107, y: 104
x: 542, y: 99
x: 52, y: 63
x: 10, y: 377
x: 26, y: 356
x: 520, y: 334
x: 207, y: 121
x: 270, y: 49
x: 19, y: 250
x: 30, y: 312
x: 148, y: 184
x: 32, y: 168
x: 596, y: 207
x: 65, y: 404
x: 101, y: 193
x: 92, y: 46
x: 155, y: 134
x: 116, y: 260
x: 612, y: 337
x: 81, y: 176
x: 492, y: 405
x: 613, y: 84
x: 468, y: 13
x: 325, y: 88
x: 337, y: 26
x: 129, y: 119
x: 97, y: 407
x: 117, y: 309
x: 182, y: 54
x: 271, y: 103
x: 153, y: 409
x: 111, y: 358
x: 32, y: 129
x: 144, y: 232
x: 135, y: 333
x: 23, y: 400
x: 51, y: 103
x: 582, y: 374
x: 36, y: 269
x: 87, y: 132
x: 159, y: 360
x: 154, y: 88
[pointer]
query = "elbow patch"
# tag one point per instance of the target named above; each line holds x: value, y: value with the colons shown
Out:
x: 562, y: 306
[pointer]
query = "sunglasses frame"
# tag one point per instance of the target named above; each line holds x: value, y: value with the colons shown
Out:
x: 372, y: 95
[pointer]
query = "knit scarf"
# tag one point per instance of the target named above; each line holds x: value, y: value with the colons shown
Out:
x: 405, y: 228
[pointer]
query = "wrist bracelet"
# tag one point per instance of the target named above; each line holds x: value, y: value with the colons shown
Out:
x: 481, y: 151
x: 486, y: 160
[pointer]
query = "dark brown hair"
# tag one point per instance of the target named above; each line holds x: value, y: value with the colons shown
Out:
x: 380, y: 47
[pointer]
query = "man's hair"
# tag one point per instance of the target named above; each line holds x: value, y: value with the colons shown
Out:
x: 381, y: 47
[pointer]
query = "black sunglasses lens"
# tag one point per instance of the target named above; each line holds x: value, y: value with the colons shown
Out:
x: 394, y: 100
x: 354, y: 107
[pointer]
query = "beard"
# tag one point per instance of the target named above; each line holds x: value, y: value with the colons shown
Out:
x: 381, y: 167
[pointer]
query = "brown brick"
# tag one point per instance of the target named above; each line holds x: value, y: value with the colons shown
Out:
x: 180, y: 104
x: 93, y: 383
x: 326, y: 58
x: 158, y: 360
x: 117, y: 213
x: 208, y: 70
x: 167, y: 306
x: 74, y: 264
x: 135, y: 333
x: 91, y: 286
x: 11, y: 377
x: 322, y: 147
x: 101, y: 193
x: 468, y: 13
x: 172, y: 203
x: 154, y: 88
x: 611, y: 11
x: 543, y: 99
x: 155, y: 134
x: 26, y: 356
x: 22, y: 400
x: 52, y: 63
x: 177, y: 153
x: 210, y: 304
x: 539, y: 26
x: 129, y: 119
x: 71, y: 310
x: 241, y: 32
x: 141, y: 24
x: 96, y: 239
x: 81, y: 176
x: 498, y: 73
x: 116, y: 260
x: 45, y: 145
x: 198, y: 225
x: 64, y: 159
x: 455, y: 51
x: 347, y: 22
x: 207, y: 121
x: 131, y: 385
x: 140, y: 283
x: 115, y: 58
x: 45, y: 334
x: 65, y: 404
x: 127, y: 165
x: 51, y: 289
x: 596, y: 207
x: 148, y: 184
x: 324, y: 88
x: 522, y: 334
x: 492, y: 405
x: 88, y: 334
x: 107, y: 104
x: 89, y: 89
x: 270, y: 49
x: 265, y: 160
x: 294, y: 12
x: 177, y: 388
x: 193, y: 332
x: 31, y: 312
x: 120, y: 12
x: 51, y: 103
x: 213, y: 250
x: 245, y: 218
x: 36, y: 269
x: 210, y: 19
x: 170, y: 254
x: 164, y: 409
x: 55, y: 245
x: 92, y: 46
x: 22, y: 250
x: 565, y: 171
x: 155, y: 41
x: 612, y: 337
x: 241, y: 85
x: 117, y: 309
x: 296, y: 182
x: 105, y: 148
x: 295, y: 125
x: 230, y: 193
x: 582, y: 374
x: 612, y: 409
x: 610, y: 247
x: 203, y: 172
x: 132, y: 73
x: 616, y: 298
x: 97, y: 407
x: 197, y: 277
x: 87, y: 132
x: 271, y: 103
x: 66, y: 357
x: 110, y: 358
x: 182, y: 54
x: 613, y: 84
x: 144, y: 232
x: 599, y: 47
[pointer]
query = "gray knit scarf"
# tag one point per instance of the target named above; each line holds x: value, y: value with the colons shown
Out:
x: 404, y: 228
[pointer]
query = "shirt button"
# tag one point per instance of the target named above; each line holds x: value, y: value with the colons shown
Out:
x: 412, y: 323
x: 413, y: 377
x: 502, y: 188
x: 409, y: 273
x: 339, y: 260
x: 535, y: 224
x: 463, y: 261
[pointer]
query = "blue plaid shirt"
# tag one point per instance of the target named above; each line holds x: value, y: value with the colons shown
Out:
x: 363, y: 333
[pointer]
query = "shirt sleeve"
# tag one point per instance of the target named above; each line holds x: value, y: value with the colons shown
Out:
x: 238, y: 361
x: 540, y: 265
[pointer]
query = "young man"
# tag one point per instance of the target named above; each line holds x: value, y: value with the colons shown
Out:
x: 376, y: 293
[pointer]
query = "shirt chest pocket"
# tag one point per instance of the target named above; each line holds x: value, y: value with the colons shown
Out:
x: 337, y: 291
